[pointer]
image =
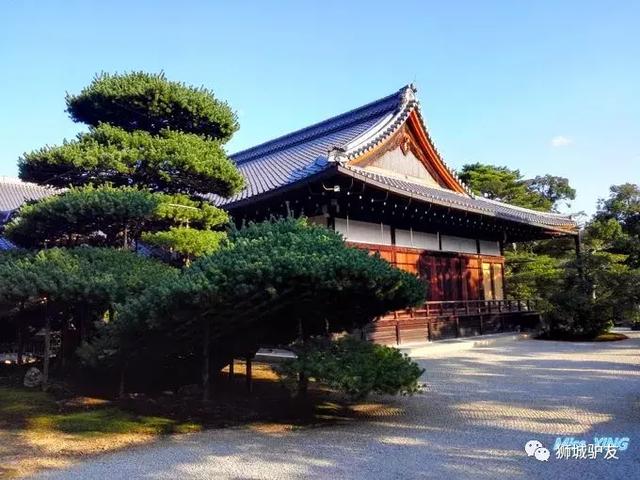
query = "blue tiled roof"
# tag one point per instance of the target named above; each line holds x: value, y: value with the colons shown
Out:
x: 6, y: 244
x: 301, y: 154
x: 14, y: 192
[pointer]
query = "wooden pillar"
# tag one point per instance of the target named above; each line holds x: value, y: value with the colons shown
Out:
x: 504, y: 284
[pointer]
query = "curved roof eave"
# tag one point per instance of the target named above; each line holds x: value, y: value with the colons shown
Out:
x: 557, y: 222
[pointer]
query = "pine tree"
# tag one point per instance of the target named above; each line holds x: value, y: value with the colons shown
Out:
x: 153, y: 149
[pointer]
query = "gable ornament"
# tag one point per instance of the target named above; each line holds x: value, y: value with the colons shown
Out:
x: 405, y: 144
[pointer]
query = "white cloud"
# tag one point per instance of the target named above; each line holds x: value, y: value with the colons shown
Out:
x: 561, y: 141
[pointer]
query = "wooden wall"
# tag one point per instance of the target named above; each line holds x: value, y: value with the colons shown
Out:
x: 447, y: 276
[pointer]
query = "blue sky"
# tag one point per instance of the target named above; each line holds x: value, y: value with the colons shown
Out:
x: 546, y: 87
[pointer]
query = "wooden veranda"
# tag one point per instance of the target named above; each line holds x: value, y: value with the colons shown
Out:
x: 439, y: 320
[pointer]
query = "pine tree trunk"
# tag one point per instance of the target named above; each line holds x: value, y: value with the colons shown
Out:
x: 20, y: 352
x: 47, y: 350
x: 64, y: 346
x: 303, y: 381
x: 125, y: 239
x: 231, y: 371
x: 121, y: 386
x: 206, y: 361
x: 84, y: 327
x: 249, y: 374
x: 303, y: 385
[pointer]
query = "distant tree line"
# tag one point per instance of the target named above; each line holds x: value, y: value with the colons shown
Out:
x: 585, y: 295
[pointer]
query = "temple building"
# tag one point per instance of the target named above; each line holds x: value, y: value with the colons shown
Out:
x: 374, y: 175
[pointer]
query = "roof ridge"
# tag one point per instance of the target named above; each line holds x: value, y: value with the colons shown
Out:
x: 335, y: 123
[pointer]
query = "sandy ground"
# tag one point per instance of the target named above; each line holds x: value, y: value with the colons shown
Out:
x: 478, y: 410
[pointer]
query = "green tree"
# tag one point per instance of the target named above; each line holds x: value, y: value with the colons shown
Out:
x: 110, y: 216
x: 596, y: 291
x: 104, y: 215
x: 533, y: 276
x: 503, y: 184
x: 38, y: 282
x: 162, y: 137
x: 169, y: 161
x: 150, y: 102
x: 602, y: 287
x: 186, y: 242
x: 153, y: 149
x: 553, y: 189
x: 75, y: 287
x: 616, y: 225
x: 622, y: 205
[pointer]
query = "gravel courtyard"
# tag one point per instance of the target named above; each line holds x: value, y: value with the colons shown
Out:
x: 478, y: 410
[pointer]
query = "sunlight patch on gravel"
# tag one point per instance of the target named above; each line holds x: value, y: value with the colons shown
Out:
x: 569, y: 420
x: 396, y: 440
x: 376, y: 410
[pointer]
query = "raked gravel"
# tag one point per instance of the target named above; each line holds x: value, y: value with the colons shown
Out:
x: 477, y: 411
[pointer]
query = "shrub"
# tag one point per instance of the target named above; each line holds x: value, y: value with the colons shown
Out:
x: 575, y: 315
x: 354, y: 367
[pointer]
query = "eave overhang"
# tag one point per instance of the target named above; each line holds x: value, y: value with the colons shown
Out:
x: 462, y: 204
